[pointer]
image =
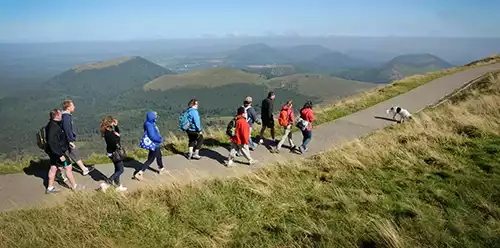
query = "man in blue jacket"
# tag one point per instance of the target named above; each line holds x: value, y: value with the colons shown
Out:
x: 194, y: 131
x: 154, y: 135
x: 69, y: 130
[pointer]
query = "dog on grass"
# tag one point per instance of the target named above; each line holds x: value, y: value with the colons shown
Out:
x: 403, y: 114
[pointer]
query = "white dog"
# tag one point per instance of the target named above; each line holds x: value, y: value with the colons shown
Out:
x: 404, y: 115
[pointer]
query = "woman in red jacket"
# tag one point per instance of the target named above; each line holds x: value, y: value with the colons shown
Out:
x: 239, y: 142
x: 306, y: 114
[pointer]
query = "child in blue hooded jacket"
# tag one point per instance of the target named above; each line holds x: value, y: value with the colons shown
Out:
x: 154, y: 134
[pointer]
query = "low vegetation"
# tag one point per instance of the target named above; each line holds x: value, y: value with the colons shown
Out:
x: 324, y: 113
x: 432, y: 182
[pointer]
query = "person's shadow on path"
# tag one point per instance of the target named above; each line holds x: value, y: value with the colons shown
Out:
x: 204, y: 152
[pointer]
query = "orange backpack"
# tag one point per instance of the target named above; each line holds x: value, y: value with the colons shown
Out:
x: 283, y: 120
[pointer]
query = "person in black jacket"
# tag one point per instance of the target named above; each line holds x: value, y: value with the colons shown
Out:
x: 111, y: 133
x: 56, y: 146
x: 267, y: 117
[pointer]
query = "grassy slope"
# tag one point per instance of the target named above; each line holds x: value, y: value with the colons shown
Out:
x: 320, y: 85
x: 433, y: 182
x: 323, y: 114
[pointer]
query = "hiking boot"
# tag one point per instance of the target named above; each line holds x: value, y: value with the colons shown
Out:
x: 121, y: 188
x: 229, y: 163
x: 196, y: 155
x: 162, y: 171
x: 51, y: 191
x: 138, y: 176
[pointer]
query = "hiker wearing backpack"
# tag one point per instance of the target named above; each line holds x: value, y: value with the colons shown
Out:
x: 190, y: 122
x: 305, y: 124
x: 41, y: 141
x: 69, y: 130
x: 286, y: 120
x: 251, y: 119
x: 151, y: 141
x: 56, y: 146
x: 267, y: 116
x: 111, y: 133
x: 238, y: 130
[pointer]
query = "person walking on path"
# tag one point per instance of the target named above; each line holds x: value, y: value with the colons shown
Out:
x: 306, y: 118
x: 69, y: 130
x: 251, y: 116
x: 286, y: 119
x: 153, y: 136
x: 267, y: 117
x: 239, y: 142
x: 56, y: 147
x: 111, y: 134
x: 194, y: 130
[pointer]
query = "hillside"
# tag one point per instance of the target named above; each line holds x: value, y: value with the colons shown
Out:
x: 106, y: 78
x: 322, y: 86
x: 432, y: 182
x: 397, y: 68
x: 203, y: 79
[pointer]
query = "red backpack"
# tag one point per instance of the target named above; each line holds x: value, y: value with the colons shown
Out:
x: 283, y: 120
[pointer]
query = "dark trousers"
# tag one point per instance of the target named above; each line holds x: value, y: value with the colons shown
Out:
x: 195, y: 139
x: 307, y: 134
x: 152, y: 155
x: 115, y: 178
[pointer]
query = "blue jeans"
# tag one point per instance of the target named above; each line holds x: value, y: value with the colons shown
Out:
x: 307, y: 138
x: 250, y: 141
x: 152, y: 155
x: 115, y: 178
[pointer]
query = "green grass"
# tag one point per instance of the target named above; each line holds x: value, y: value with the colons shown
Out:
x: 432, y: 182
x: 323, y: 113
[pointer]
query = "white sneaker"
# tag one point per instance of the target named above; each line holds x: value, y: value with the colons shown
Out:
x: 104, y: 186
x: 121, y: 188
x: 162, y: 171
x: 79, y: 187
x: 85, y: 172
x: 261, y: 141
x: 229, y: 163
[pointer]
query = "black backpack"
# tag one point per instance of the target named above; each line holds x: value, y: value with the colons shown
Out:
x: 231, y: 127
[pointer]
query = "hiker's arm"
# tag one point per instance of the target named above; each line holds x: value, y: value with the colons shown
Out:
x: 153, y: 135
x: 196, y: 120
x: 66, y: 126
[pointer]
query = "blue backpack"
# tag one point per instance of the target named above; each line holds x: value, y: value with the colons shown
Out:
x: 184, y: 121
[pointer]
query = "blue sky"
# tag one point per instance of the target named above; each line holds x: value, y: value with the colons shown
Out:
x: 78, y: 20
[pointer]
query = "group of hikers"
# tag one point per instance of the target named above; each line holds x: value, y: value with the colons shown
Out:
x: 59, y: 137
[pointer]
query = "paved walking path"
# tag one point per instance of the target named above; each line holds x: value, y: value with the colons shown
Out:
x: 22, y: 190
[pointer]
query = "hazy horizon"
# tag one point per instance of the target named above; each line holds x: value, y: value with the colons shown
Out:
x: 31, y: 21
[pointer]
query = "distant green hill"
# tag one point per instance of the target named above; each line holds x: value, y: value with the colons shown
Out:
x: 107, y: 78
x: 318, y: 86
x: 205, y: 78
x: 305, y: 52
x: 397, y: 68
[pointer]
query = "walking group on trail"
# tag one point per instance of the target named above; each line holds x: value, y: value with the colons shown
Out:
x: 58, y: 139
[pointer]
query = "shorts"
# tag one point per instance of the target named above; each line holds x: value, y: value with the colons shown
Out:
x: 73, y: 154
x: 268, y: 123
x: 55, y: 160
